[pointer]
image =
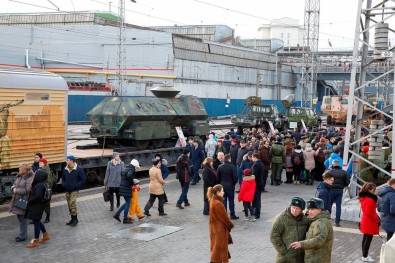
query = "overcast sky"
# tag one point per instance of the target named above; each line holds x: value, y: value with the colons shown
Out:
x: 337, y: 17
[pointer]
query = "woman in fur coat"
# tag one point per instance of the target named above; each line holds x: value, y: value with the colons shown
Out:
x: 220, y: 225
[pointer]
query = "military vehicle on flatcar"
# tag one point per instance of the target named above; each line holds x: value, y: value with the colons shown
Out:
x: 258, y: 115
x: 295, y: 114
x: 145, y: 121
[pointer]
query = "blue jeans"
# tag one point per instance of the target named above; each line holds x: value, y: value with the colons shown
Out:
x: 125, y: 207
x: 22, y: 226
x: 230, y: 194
x: 184, y: 193
x: 38, y: 226
x: 336, y: 196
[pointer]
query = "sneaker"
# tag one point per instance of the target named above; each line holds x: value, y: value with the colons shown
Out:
x: 247, y: 218
x: 162, y: 214
x: 252, y: 219
x: 337, y: 224
x: 116, y: 217
x: 141, y: 217
x: 367, y: 259
x: 187, y: 204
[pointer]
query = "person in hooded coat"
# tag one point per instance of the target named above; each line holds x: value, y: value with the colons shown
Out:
x: 125, y: 190
x: 35, y: 208
x: 309, y: 163
x: 370, y: 221
x: 112, y: 179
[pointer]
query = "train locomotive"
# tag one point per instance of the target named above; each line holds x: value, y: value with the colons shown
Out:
x: 148, y: 121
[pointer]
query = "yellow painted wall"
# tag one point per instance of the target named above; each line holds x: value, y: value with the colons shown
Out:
x: 33, y: 126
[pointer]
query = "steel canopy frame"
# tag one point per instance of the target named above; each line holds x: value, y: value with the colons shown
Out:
x: 310, y: 48
x: 366, y: 20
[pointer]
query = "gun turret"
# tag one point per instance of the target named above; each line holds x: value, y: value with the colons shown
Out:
x: 288, y: 101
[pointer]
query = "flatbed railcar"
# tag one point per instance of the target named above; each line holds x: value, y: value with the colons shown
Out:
x: 33, y: 118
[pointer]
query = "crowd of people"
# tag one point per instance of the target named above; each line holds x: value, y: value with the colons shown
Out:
x: 234, y: 166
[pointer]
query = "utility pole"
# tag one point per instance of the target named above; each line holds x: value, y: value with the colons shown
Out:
x: 121, y: 63
x: 370, y: 18
x: 310, y: 48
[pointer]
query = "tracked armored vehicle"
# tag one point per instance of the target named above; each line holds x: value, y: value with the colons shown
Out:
x: 145, y: 121
x: 258, y: 115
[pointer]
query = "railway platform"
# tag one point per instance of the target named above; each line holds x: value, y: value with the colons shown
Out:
x: 181, y: 236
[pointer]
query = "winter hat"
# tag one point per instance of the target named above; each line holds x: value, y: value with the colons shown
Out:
x: 135, y: 163
x: 298, y: 149
x: 234, y: 140
x: 115, y: 154
x: 164, y: 162
x: 43, y: 160
x: 299, y: 202
x: 365, y: 149
x: 135, y: 181
x: 247, y: 172
x: 71, y: 158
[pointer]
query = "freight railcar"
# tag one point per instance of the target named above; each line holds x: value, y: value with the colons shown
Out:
x: 33, y: 118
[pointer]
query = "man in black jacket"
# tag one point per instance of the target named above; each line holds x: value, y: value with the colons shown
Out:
x: 243, y: 150
x: 72, y: 180
x: 336, y: 191
x: 184, y: 170
x: 258, y: 171
x: 220, y: 160
x: 227, y: 177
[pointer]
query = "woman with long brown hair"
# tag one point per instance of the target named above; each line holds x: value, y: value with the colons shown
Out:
x: 220, y: 225
x: 370, y: 221
x: 209, y: 180
x: 21, y: 189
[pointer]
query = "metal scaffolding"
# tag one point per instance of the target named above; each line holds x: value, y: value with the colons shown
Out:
x: 310, y: 48
x: 121, y: 63
x: 373, y: 18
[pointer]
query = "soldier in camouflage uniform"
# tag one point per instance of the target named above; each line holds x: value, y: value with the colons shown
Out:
x: 319, y: 238
x: 290, y: 226
x: 277, y: 158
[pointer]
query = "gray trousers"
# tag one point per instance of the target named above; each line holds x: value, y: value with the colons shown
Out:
x: 22, y: 226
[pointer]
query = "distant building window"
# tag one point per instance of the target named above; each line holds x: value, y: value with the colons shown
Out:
x: 37, y: 96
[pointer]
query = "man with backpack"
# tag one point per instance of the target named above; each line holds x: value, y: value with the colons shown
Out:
x: 184, y: 172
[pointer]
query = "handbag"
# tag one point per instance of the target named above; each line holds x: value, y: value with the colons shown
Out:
x: 21, y: 203
x: 106, y: 195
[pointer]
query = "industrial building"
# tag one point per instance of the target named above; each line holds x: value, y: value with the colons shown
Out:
x: 84, y: 47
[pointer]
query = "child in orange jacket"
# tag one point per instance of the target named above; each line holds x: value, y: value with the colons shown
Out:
x: 134, y: 206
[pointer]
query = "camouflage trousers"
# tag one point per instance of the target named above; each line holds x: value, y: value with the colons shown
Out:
x: 71, y: 198
x: 277, y: 168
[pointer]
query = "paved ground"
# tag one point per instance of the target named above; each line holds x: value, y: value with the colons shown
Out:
x: 93, y: 239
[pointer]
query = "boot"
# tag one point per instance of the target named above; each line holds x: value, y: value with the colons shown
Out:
x: 46, y: 237
x: 111, y: 202
x: 75, y: 221
x: 116, y: 217
x: 127, y: 221
x: 271, y: 182
x: 47, y: 220
x: 33, y: 243
x: 71, y: 221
